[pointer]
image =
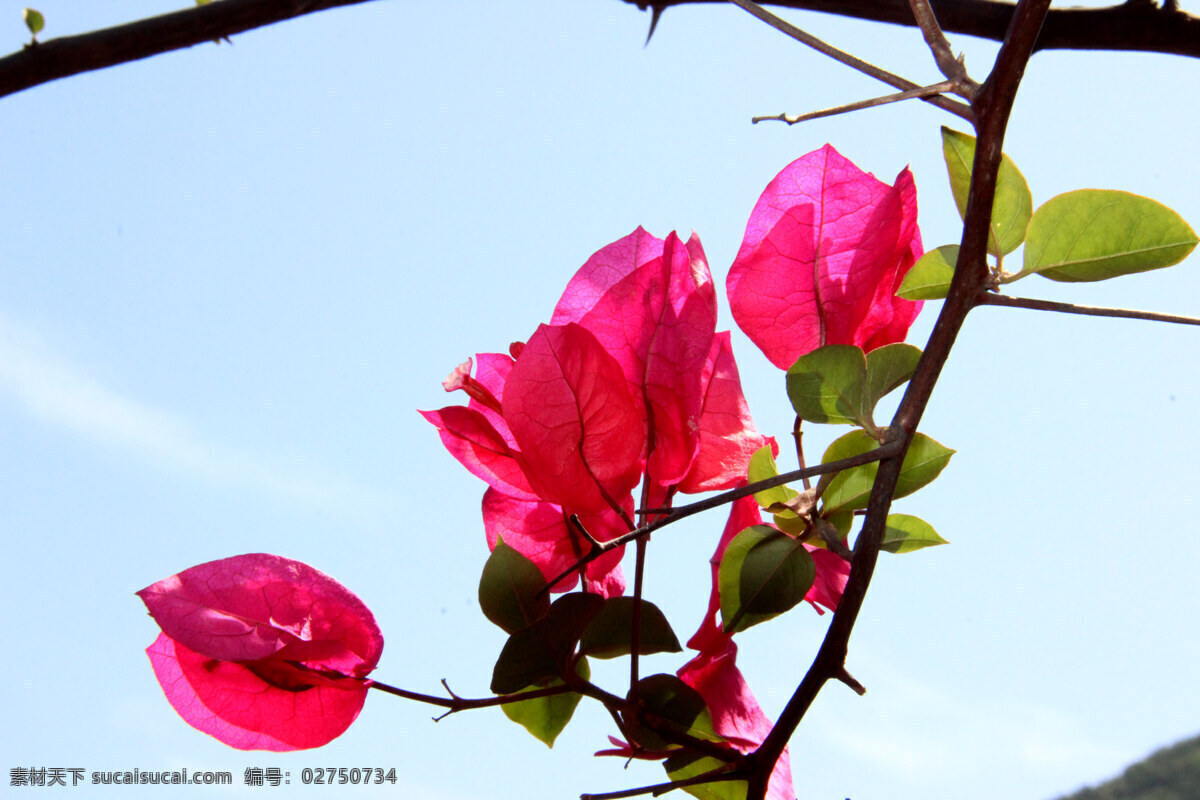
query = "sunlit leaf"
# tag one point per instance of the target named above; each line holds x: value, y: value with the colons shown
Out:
x: 762, y: 467
x: 682, y: 766
x: 1013, y: 204
x: 851, y: 488
x: 34, y: 20
x: 930, y: 277
x: 906, y: 533
x: 546, y: 717
x: 1095, y: 234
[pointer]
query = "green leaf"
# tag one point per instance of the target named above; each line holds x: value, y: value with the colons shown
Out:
x: 543, y: 649
x: 546, y: 717
x: 1013, y: 204
x: 826, y: 385
x: 1095, y: 234
x: 929, y: 278
x: 851, y: 488
x: 668, y: 697
x: 763, y: 573
x: 610, y: 632
x: 511, y: 590
x: 762, y: 467
x: 34, y: 20
x: 906, y: 533
x: 887, y: 368
x: 684, y: 765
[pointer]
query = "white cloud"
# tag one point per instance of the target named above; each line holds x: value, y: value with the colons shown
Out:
x: 66, y: 396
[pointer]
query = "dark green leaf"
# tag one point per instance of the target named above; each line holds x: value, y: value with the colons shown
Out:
x: 1013, y: 204
x: 1094, y: 234
x: 543, y: 649
x: 670, y: 699
x: 906, y: 533
x: 546, y: 717
x: 929, y: 278
x: 851, y: 488
x: 511, y: 590
x: 826, y: 385
x: 609, y: 634
x: 684, y: 765
x: 763, y: 573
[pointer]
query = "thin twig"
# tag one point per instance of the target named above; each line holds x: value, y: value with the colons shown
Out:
x: 878, y: 454
x: 782, y: 25
x: 992, y: 299
x: 921, y: 92
x: 456, y: 703
x: 953, y: 68
x: 713, y: 776
x: 798, y: 435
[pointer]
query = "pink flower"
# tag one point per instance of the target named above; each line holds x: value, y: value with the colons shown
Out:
x: 262, y: 652
x: 825, y: 250
x: 629, y: 383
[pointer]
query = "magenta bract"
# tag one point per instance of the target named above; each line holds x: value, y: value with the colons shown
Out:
x: 262, y: 652
x: 629, y: 383
x: 825, y: 250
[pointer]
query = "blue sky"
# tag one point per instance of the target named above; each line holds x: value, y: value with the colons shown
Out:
x: 230, y: 276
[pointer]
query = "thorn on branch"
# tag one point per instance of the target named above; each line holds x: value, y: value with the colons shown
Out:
x: 656, y: 12
x: 848, y: 679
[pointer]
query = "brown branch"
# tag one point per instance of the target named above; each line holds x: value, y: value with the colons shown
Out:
x: 992, y: 299
x: 456, y: 703
x: 921, y: 92
x: 1138, y: 25
x: 676, y: 514
x: 854, y: 62
x: 953, y: 68
x: 992, y: 107
x: 712, y: 776
x: 71, y: 55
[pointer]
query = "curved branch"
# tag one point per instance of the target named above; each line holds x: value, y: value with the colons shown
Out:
x: 1139, y: 25
x: 71, y: 55
x: 992, y: 108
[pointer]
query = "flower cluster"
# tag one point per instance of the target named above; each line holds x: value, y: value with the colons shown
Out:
x: 629, y: 384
